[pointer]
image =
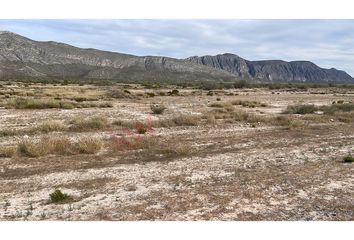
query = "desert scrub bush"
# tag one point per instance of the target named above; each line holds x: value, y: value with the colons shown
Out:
x: 58, y: 196
x: 123, y: 123
x: 175, y: 92
x: 216, y: 105
x: 285, y: 121
x: 184, y: 120
x: 26, y: 103
x: 150, y: 94
x: 51, y: 126
x: 346, y: 117
x: 9, y: 132
x: 88, y: 124
x: 250, y: 104
x: 140, y: 127
x: 332, y: 109
x: 348, y: 159
x: 89, y: 145
x: 58, y: 146
x: 300, y: 109
x: 29, y: 148
x: 118, y: 93
x: 157, y: 108
x: 44, y: 146
x: 7, y: 151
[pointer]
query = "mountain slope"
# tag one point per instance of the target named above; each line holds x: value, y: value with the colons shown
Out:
x: 273, y: 70
x: 23, y: 57
x: 20, y: 56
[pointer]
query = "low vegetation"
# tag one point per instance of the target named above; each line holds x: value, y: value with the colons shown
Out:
x: 88, y: 124
x: 27, y: 103
x: 58, y: 196
x: 250, y: 104
x: 334, y: 108
x: 180, y: 120
x: 58, y: 146
x: 157, y: 108
x: 348, y: 159
x: 301, y: 109
x: 7, y: 151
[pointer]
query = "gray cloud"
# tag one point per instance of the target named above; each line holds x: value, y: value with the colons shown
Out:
x: 328, y: 43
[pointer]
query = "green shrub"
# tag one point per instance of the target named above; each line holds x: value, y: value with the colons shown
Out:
x: 348, y: 159
x: 341, y: 107
x: 58, y: 196
x: 174, y: 92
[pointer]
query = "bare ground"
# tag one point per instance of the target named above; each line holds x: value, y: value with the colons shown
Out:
x: 236, y: 172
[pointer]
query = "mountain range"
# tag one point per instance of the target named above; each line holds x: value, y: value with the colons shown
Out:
x: 23, y: 57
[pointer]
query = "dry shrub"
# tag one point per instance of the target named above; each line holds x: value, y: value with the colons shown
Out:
x: 334, y: 108
x: 180, y: 120
x: 157, y: 108
x: 7, y: 151
x: 216, y: 105
x: 44, y: 146
x: 89, y: 145
x: 51, y: 126
x: 118, y: 93
x: 58, y: 146
x: 250, y: 104
x: 346, y: 117
x: 285, y: 121
x: 9, y: 132
x: 300, y: 109
x: 88, y: 124
x: 27, y: 103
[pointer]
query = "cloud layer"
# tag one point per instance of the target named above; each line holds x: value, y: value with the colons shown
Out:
x: 328, y: 43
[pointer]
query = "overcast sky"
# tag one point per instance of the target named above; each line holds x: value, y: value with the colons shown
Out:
x: 328, y: 43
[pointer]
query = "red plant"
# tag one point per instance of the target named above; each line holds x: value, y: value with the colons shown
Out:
x: 127, y: 139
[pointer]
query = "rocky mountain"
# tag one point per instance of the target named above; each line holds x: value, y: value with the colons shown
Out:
x: 20, y: 56
x: 23, y: 57
x: 273, y: 70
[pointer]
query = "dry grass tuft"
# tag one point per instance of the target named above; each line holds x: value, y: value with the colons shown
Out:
x: 28, y: 103
x: 300, y: 109
x: 250, y: 104
x: 89, y: 145
x: 179, y: 120
x: 51, y: 126
x: 58, y: 146
x: 7, y: 151
x: 88, y: 124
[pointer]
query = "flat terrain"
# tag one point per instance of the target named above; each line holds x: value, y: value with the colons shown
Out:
x: 210, y: 155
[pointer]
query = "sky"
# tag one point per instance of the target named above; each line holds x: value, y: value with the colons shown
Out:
x: 328, y: 43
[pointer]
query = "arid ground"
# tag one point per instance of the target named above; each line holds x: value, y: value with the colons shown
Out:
x: 125, y: 152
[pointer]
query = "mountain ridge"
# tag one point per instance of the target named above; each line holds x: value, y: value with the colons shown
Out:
x: 24, y: 57
x: 273, y: 70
